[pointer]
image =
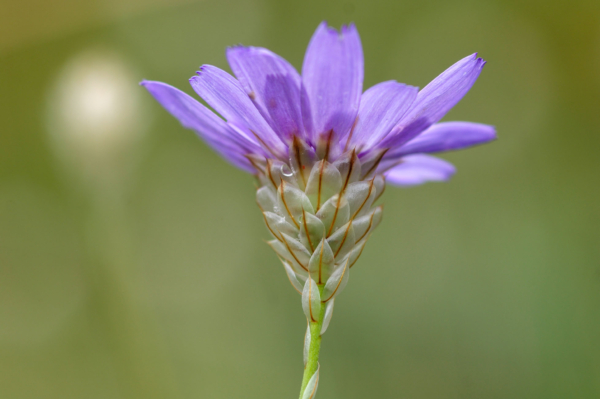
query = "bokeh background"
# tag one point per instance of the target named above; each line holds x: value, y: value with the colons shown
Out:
x: 132, y: 261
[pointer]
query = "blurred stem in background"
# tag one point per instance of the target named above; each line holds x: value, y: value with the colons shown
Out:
x: 94, y: 128
x: 136, y: 350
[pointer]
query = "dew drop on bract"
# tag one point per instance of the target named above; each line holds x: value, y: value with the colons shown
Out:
x: 286, y: 171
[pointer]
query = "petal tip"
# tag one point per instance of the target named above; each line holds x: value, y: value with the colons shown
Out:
x: 348, y: 28
x: 200, y: 70
x: 237, y: 47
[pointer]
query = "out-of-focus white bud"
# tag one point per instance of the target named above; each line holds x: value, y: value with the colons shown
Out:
x: 95, y: 117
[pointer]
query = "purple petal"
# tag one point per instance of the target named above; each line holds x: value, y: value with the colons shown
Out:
x: 272, y: 84
x: 205, y: 123
x: 419, y: 169
x: 222, y: 92
x: 282, y: 98
x: 401, y: 134
x: 447, y: 136
x: 332, y: 77
x: 438, y: 97
x: 381, y: 108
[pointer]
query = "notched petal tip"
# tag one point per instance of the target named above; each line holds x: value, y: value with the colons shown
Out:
x: 204, y: 68
x: 349, y: 28
x: 479, y: 61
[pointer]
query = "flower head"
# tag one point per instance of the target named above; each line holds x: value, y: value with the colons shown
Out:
x: 322, y: 151
x: 322, y: 148
x: 270, y: 105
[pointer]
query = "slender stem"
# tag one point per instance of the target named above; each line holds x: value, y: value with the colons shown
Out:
x: 312, y: 362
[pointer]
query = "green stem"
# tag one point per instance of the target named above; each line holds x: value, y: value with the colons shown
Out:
x: 312, y: 362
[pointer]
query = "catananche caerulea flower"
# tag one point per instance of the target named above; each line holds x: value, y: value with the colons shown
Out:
x: 270, y: 103
x: 322, y: 150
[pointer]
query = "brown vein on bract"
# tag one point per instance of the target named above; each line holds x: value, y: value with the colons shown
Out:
x: 368, y: 228
x: 359, y: 254
x: 365, y: 201
x: 260, y: 207
x: 350, y: 169
x: 285, y: 203
x: 297, y: 151
x: 264, y: 144
x: 321, y: 260
x: 292, y: 253
x: 342, y: 192
x: 320, y: 185
x: 289, y: 262
x: 312, y: 248
x: 270, y: 229
x: 340, y: 282
x: 290, y: 279
x: 310, y: 299
x: 269, y: 164
x: 382, y: 191
x: 334, y: 216
x: 257, y: 167
x: 377, y: 162
x: 344, y: 239
x: 328, y: 146
x: 351, y: 133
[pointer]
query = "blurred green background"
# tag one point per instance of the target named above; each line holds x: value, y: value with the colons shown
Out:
x: 132, y: 261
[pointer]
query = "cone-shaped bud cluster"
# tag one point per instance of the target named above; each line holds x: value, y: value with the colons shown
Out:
x: 321, y: 215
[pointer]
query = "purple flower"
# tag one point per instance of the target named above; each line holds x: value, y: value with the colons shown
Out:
x: 269, y: 107
x: 320, y: 149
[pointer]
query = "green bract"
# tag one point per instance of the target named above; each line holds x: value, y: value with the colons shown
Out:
x: 320, y: 215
